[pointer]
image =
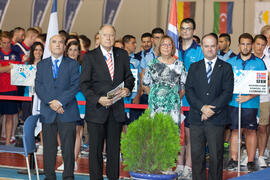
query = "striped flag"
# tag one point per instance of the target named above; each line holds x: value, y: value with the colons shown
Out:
x: 223, y: 17
x: 173, y: 26
x: 52, y: 29
x: 185, y: 10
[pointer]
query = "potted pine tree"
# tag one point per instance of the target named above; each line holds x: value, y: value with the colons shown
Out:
x: 150, y: 146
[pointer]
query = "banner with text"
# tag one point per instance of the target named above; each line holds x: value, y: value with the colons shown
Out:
x: 39, y: 9
x: 71, y: 9
x: 23, y: 75
x: 250, y: 82
x: 110, y: 11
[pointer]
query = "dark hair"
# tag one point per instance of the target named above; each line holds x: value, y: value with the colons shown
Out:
x: 86, y: 41
x: 75, y: 43
x: 260, y: 36
x: 245, y: 36
x: 147, y: 34
x: 161, y: 41
x: 42, y: 37
x: 189, y: 20
x: 157, y: 30
x: 33, y: 47
x: 73, y: 37
x: 197, y: 39
x: 16, y: 29
x: 226, y: 36
x: 64, y: 34
x: 6, y: 34
x: 210, y: 34
x: 127, y: 38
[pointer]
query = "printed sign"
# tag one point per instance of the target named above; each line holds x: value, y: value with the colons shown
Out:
x: 250, y: 82
x: 23, y: 75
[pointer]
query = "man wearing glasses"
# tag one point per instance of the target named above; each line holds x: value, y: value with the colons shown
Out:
x: 189, y: 52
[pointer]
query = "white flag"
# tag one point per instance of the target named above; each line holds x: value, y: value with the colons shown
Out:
x: 261, y: 17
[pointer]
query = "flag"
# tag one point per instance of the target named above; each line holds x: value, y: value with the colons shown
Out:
x: 173, y: 26
x: 3, y: 9
x: 71, y: 9
x: 261, y: 17
x: 52, y: 30
x: 39, y: 9
x: 185, y: 10
x: 110, y: 11
x: 223, y: 17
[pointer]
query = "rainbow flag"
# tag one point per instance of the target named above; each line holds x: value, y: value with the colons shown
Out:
x: 185, y: 10
x: 223, y: 17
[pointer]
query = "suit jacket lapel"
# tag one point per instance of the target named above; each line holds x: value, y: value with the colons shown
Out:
x: 116, y: 64
x: 203, y: 72
x: 49, y: 64
x: 217, y: 67
x: 61, y: 68
x: 102, y: 62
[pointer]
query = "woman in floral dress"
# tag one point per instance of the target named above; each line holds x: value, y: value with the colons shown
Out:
x: 164, y: 81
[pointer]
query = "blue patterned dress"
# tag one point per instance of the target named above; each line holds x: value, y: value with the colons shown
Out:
x: 165, y: 82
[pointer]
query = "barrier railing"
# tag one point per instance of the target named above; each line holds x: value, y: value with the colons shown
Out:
x: 133, y: 106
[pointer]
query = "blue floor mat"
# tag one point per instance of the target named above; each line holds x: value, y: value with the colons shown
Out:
x: 260, y: 175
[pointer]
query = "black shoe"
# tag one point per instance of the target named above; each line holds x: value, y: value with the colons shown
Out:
x: 232, y: 165
x: 251, y: 167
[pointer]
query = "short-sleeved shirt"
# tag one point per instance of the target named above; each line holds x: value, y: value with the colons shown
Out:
x: 225, y: 56
x: 134, y: 64
x: 5, y: 59
x: 265, y: 97
x: 19, y: 50
x: 192, y: 54
x: 253, y: 63
x: 147, y: 58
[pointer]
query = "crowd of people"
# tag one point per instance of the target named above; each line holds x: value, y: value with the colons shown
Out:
x: 201, y: 79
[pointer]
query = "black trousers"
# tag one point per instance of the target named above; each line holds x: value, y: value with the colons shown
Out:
x: 111, y: 132
x: 67, y: 132
x: 214, y: 136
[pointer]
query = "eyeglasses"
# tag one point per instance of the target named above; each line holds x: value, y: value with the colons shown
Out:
x: 166, y: 45
x: 186, y: 29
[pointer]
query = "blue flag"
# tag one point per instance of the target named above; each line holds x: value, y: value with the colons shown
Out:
x: 71, y: 9
x: 39, y: 9
x: 110, y: 11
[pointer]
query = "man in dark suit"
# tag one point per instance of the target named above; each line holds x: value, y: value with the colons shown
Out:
x: 104, y: 68
x: 209, y: 88
x: 56, y: 84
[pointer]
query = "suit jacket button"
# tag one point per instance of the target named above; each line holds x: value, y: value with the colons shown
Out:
x: 207, y: 94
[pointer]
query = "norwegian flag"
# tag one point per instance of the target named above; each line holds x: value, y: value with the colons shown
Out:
x: 261, y: 76
x: 173, y: 26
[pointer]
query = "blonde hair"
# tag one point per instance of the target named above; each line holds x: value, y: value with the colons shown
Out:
x: 265, y: 29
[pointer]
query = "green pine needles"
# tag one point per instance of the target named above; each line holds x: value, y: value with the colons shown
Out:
x: 151, y: 145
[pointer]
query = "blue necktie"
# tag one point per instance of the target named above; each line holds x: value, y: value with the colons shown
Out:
x: 55, y: 68
x: 209, y: 71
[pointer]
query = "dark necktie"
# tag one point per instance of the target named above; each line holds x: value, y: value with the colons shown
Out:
x: 55, y: 68
x: 209, y: 71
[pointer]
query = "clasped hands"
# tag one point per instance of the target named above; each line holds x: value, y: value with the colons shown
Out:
x: 106, y: 102
x: 207, y: 112
x: 56, y: 106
